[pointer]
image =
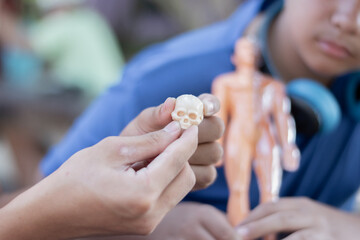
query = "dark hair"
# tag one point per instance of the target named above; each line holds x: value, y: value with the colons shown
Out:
x: 267, y: 3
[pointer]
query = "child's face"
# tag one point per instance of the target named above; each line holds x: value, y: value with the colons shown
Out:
x: 325, y: 34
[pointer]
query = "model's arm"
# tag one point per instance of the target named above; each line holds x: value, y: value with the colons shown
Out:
x: 219, y: 91
x: 285, y: 126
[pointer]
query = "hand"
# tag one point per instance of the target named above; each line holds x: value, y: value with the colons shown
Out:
x: 208, y: 151
x: 302, y: 218
x: 189, y: 221
x: 99, y: 192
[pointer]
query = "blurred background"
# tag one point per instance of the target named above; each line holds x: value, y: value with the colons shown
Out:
x: 58, y: 55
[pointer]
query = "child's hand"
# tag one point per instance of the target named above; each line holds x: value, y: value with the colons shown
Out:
x: 208, y: 151
x: 302, y: 218
x: 190, y: 221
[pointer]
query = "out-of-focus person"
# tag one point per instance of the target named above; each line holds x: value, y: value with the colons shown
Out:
x: 78, y: 45
x: 19, y: 65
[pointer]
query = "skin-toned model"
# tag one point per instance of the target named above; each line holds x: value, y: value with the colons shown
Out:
x: 260, y: 130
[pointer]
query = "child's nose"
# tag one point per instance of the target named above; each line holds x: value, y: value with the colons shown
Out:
x: 346, y: 16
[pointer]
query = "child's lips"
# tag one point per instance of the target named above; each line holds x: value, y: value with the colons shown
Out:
x: 334, y: 49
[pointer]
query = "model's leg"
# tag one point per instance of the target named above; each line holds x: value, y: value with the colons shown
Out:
x: 267, y: 168
x: 238, y: 155
x: 267, y: 165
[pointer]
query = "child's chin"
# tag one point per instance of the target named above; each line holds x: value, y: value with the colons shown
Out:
x: 327, y: 69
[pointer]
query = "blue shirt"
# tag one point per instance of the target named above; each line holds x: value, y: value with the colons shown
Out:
x: 330, y: 164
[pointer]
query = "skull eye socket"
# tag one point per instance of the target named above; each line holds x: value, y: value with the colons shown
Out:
x: 181, y: 113
x: 192, y: 116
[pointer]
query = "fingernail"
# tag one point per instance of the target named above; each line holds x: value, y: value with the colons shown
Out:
x: 174, y: 126
x: 242, y: 231
x: 209, y: 107
x: 168, y: 102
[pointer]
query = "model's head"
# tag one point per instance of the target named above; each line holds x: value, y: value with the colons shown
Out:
x: 245, y: 52
x: 325, y: 34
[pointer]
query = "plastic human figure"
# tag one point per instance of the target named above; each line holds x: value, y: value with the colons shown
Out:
x: 259, y: 131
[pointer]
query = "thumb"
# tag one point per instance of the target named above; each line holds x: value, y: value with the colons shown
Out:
x: 151, y: 119
x: 139, y: 148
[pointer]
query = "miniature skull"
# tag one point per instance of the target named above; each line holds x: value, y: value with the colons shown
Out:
x: 189, y: 110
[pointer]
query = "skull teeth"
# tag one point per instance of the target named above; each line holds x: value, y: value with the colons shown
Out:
x: 188, y: 111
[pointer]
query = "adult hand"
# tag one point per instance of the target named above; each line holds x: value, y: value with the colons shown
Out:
x: 208, y: 151
x: 99, y: 192
x: 189, y: 221
x: 302, y: 218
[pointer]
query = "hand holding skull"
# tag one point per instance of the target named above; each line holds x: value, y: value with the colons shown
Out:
x: 208, y: 151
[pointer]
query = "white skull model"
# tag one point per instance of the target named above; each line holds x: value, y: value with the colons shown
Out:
x: 189, y: 110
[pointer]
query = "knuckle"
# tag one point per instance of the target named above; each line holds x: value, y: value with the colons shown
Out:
x: 109, y: 140
x: 148, y: 228
x: 206, y: 210
x: 140, y: 118
x: 266, y: 208
x: 212, y: 175
x: 269, y: 207
x: 111, y: 144
x: 142, y: 206
x: 190, y: 177
x: 288, y: 219
x: 212, y: 128
x: 194, y: 141
x: 177, y: 159
x: 153, y: 138
x: 191, y: 147
x: 202, y: 209
x: 225, y: 234
x: 220, y: 127
x: 125, y: 151
x: 304, y: 201
x: 218, y: 152
x: 207, y: 177
x: 305, y: 236
x: 321, y: 221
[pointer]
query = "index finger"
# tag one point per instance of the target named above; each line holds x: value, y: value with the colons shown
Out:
x: 267, y: 209
x: 280, y: 222
x: 218, y: 226
x: 165, y: 167
x: 211, y: 104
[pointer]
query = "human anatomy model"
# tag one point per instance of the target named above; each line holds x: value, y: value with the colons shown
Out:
x: 189, y: 110
x: 259, y: 131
